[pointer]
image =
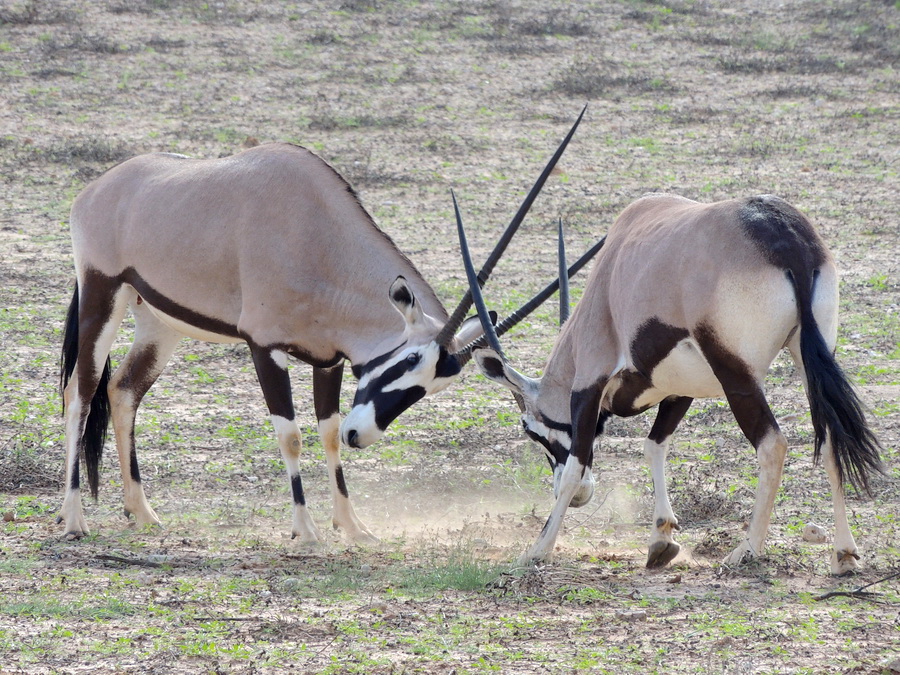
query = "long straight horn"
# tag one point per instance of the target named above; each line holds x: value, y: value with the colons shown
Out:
x: 459, y: 314
x: 478, y: 299
x: 509, y: 322
x: 563, y: 278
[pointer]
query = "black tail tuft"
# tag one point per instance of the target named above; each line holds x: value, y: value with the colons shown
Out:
x: 836, y: 409
x: 97, y: 424
x: 95, y: 430
x: 69, y: 347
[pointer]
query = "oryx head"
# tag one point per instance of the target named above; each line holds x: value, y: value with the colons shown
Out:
x: 425, y: 360
x: 546, y: 417
x: 428, y: 355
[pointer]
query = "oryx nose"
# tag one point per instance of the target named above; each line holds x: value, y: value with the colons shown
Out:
x: 352, y: 438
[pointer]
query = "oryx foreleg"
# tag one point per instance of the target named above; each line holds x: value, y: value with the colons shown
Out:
x: 271, y: 369
x: 663, y: 548
x: 153, y: 345
x: 326, y: 396
x: 585, y: 406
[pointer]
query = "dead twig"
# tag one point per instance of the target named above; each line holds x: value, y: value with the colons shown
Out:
x: 860, y: 592
x: 128, y: 561
x: 199, y: 619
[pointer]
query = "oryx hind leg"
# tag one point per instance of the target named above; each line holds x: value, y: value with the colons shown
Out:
x: 271, y: 369
x: 845, y: 555
x: 326, y: 395
x: 102, y: 303
x: 151, y: 350
x: 748, y: 403
x: 663, y: 547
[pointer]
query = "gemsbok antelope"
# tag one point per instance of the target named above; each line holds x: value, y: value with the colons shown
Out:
x: 686, y: 301
x: 270, y: 247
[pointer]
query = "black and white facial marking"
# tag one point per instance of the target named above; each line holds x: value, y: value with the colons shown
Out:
x: 390, y: 384
x: 554, y: 437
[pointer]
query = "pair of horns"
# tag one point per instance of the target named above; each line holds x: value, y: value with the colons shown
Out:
x: 459, y: 314
x: 491, y: 333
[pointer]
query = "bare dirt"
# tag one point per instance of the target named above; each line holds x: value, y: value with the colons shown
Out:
x: 706, y: 99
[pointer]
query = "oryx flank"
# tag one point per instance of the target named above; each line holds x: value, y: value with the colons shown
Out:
x: 688, y: 301
x: 270, y: 247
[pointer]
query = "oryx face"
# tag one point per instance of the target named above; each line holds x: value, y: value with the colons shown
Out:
x: 544, y: 420
x: 419, y: 366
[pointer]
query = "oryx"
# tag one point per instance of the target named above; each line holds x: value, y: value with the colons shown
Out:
x: 685, y: 301
x: 271, y: 247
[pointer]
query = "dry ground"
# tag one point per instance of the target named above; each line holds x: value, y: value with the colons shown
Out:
x: 709, y: 99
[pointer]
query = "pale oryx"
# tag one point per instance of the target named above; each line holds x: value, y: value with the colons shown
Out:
x: 685, y: 301
x: 270, y: 247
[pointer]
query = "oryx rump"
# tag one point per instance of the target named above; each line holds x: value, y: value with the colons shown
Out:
x: 690, y: 300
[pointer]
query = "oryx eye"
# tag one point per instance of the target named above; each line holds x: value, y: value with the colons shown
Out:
x: 412, y: 359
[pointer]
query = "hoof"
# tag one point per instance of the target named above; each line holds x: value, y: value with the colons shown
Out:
x: 307, y: 538
x: 531, y: 558
x: 843, y: 563
x: 365, y: 539
x: 661, y: 553
x: 75, y: 535
x: 742, y: 554
x: 356, y: 532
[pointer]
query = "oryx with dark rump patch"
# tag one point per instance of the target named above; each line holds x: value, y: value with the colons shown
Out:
x: 688, y: 301
x: 270, y: 247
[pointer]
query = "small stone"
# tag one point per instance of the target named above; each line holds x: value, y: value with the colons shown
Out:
x: 891, y: 664
x: 291, y: 584
x: 631, y: 615
x: 159, y: 558
x: 815, y: 534
x: 9, y: 516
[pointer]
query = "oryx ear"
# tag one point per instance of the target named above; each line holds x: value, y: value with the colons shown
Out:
x: 403, y: 298
x: 470, y: 331
x: 494, y: 367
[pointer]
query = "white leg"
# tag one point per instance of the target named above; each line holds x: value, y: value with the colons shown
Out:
x: 569, y: 485
x: 289, y: 441
x: 153, y: 345
x: 770, y: 453
x: 72, y: 512
x: 103, y: 320
x: 663, y: 547
x: 845, y: 555
x: 343, y: 515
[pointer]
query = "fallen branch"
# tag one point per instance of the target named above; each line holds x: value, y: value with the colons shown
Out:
x: 128, y: 561
x: 860, y: 592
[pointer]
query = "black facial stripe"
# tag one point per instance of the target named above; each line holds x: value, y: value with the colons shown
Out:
x: 392, y: 374
x: 364, y: 368
x: 447, y: 365
x: 556, y: 453
x: 389, y: 405
x: 557, y: 426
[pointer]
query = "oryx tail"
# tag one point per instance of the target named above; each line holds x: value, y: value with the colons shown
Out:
x: 834, y: 405
x: 98, y: 417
